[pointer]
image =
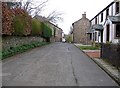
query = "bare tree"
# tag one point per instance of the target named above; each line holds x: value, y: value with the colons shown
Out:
x: 55, y: 16
x: 30, y: 7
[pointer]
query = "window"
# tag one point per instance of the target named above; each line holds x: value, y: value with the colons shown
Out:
x: 108, y: 33
x: 101, y: 17
x: 117, y: 7
x: 107, y: 13
x: 96, y: 20
x: 95, y: 36
x: 90, y: 36
x: 118, y: 30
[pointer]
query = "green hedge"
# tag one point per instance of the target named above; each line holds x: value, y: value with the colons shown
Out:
x: 19, y: 49
x: 89, y: 48
x: 36, y: 27
x: 46, y: 31
x: 21, y: 25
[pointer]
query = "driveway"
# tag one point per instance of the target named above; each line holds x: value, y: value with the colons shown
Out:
x: 57, y: 64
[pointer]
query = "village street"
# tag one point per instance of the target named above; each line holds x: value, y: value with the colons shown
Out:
x: 56, y: 64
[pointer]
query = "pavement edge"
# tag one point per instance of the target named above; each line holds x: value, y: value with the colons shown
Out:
x: 116, y: 79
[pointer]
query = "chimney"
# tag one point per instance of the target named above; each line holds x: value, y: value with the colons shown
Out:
x: 84, y: 15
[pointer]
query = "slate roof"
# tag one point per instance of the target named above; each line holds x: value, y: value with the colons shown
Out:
x: 98, y: 27
x: 114, y: 19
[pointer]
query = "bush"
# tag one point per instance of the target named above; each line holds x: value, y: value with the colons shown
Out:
x: 46, y: 32
x: 89, y: 48
x: 19, y: 49
x: 36, y: 27
x: 7, y: 17
x: 21, y: 22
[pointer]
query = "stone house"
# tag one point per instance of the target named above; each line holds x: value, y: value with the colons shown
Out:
x: 80, y: 29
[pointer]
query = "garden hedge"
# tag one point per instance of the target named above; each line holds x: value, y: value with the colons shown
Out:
x: 36, y: 27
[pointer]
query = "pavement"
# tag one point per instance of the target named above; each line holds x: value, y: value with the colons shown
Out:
x: 57, y: 64
x: 111, y: 70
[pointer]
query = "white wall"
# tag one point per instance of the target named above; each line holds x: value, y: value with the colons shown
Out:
x: 104, y: 23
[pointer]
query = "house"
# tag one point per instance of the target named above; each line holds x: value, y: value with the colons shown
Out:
x: 58, y: 34
x: 80, y: 28
x: 105, y: 26
x: 56, y: 31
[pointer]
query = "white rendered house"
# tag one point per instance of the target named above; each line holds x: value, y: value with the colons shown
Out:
x: 105, y: 26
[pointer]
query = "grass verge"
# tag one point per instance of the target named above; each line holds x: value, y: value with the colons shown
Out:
x: 89, y: 48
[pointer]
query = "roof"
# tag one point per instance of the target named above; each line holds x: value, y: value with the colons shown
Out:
x: 41, y: 18
x: 90, y: 30
x: 79, y: 20
x: 114, y: 19
x: 98, y: 27
x: 103, y: 10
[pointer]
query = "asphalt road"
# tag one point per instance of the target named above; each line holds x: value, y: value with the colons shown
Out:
x: 57, y: 64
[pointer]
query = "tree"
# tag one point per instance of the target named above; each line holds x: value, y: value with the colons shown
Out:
x: 13, y: 4
x: 55, y: 16
x: 30, y: 7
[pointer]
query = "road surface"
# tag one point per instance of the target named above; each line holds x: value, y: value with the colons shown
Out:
x: 57, y: 64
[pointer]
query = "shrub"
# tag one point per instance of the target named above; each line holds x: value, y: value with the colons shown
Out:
x: 19, y: 49
x: 21, y: 22
x: 46, y: 32
x: 36, y: 27
x: 7, y: 17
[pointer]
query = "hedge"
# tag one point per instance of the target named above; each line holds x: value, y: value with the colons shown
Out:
x: 36, y: 27
x: 46, y: 31
x: 21, y: 25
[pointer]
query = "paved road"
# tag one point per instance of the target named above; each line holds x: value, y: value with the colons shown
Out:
x: 57, y: 64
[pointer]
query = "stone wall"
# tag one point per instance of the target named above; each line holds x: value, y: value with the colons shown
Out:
x: 111, y: 53
x: 9, y: 41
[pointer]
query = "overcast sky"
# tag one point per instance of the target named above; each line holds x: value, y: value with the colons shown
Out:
x: 73, y: 9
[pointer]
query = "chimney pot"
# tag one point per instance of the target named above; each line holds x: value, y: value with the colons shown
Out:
x: 84, y: 15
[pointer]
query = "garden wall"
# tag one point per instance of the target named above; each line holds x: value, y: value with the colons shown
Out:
x: 9, y: 41
x: 111, y: 52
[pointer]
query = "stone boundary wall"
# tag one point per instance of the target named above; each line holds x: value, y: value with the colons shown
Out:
x: 111, y: 52
x: 10, y: 41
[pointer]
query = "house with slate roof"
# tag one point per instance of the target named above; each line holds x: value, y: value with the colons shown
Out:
x: 105, y: 26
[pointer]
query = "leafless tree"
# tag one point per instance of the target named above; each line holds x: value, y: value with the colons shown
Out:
x: 30, y: 7
x: 55, y: 16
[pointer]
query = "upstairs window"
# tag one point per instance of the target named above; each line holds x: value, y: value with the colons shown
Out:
x: 96, y: 20
x: 118, y: 30
x: 101, y: 17
x: 117, y: 7
x: 107, y: 13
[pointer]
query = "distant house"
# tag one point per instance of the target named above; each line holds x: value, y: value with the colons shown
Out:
x: 56, y: 31
x: 80, y: 29
x: 58, y: 34
x: 105, y: 26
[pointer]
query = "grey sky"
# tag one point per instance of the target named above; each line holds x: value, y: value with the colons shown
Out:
x: 73, y: 9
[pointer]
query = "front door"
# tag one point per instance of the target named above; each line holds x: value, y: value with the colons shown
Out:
x: 108, y: 33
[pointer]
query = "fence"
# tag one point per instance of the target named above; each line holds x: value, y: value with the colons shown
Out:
x: 111, y: 52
